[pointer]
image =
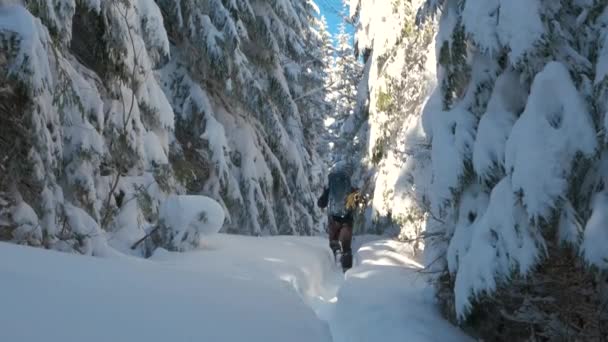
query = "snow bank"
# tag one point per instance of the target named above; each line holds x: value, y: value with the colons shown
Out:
x: 218, y: 296
x: 303, y: 264
x: 382, y: 298
x: 232, y: 289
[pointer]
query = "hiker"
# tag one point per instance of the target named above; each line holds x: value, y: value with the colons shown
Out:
x: 339, y: 197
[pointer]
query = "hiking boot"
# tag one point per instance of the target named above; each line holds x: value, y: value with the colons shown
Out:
x: 335, y: 247
x: 346, y: 260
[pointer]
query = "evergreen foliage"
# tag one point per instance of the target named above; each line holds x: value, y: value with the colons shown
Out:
x: 126, y: 102
x: 516, y: 123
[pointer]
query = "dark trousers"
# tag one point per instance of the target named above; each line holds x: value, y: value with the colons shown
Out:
x: 340, y: 232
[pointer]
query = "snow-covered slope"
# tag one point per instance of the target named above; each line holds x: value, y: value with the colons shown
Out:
x: 232, y: 289
x: 210, y: 295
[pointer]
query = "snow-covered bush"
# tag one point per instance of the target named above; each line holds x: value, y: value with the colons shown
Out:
x: 183, y: 220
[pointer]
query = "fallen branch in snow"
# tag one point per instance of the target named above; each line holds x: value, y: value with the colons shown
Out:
x: 145, y: 237
x: 427, y: 267
x: 422, y: 236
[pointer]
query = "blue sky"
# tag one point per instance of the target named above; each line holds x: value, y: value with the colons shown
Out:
x: 330, y: 9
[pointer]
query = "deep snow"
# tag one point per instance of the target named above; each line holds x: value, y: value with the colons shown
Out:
x: 234, y: 288
x: 386, y: 298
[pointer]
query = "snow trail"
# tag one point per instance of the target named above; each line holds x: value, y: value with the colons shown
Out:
x: 385, y: 297
x: 234, y: 288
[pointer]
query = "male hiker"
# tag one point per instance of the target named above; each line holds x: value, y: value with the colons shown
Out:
x: 340, y: 199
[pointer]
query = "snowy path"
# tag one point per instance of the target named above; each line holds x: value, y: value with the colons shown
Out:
x: 385, y: 298
x: 234, y: 289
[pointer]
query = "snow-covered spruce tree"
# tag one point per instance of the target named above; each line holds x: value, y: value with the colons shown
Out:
x: 326, y: 54
x: 517, y: 129
x: 311, y: 93
x: 97, y: 127
x: 345, y: 75
x: 397, y: 81
x: 243, y: 82
x: 91, y: 89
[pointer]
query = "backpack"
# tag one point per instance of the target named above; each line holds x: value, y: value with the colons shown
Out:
x: 339, y: 189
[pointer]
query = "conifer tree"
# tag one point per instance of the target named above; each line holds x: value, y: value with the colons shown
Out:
x: 345, y: 74
x: 326, y: 54
x: 516, y: 164
x: 220, y: 98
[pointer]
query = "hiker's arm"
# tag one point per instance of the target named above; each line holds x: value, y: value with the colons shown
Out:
x: 322, y: 202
